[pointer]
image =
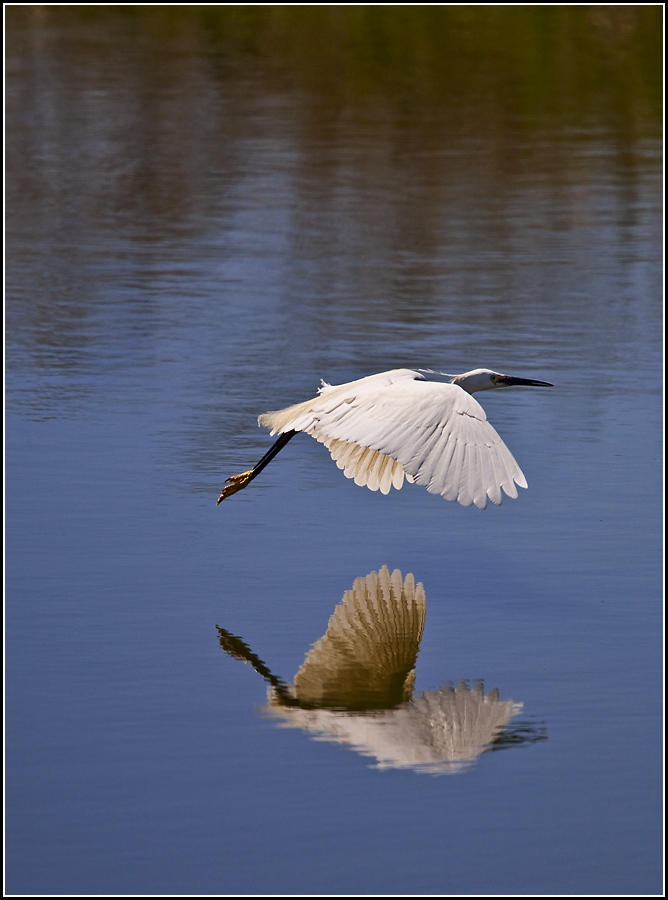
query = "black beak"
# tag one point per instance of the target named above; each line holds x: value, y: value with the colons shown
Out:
x: 529, y: 382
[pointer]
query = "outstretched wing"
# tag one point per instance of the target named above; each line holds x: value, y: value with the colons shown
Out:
x: 366, y: 659
x: 395, y: 424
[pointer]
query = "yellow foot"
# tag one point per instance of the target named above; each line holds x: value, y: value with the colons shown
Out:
x: 234, y: 484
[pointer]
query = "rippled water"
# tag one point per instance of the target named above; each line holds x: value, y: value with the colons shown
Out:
x: 208, y: 212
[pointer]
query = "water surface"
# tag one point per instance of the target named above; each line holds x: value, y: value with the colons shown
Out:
x: 208, y: 212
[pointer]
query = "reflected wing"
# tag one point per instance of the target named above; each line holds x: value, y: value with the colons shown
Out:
x: 439, y: 732
x: 395, y: 424
x: 367, y: 656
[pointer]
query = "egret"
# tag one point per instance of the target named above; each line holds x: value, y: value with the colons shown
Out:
x: 404, y: 424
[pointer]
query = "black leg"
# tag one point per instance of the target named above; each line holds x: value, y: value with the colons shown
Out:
x: 238, y: 482
x: 236, y: 648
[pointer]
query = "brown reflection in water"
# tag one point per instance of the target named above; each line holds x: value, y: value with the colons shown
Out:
x: 356, y: 686
x: 397, y: 159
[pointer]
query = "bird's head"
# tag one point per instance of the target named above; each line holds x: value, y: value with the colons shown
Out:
x: 486, y: 380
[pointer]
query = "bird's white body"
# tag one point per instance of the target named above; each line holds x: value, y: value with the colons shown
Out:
x: 398, y: 425
x: 395, y: 425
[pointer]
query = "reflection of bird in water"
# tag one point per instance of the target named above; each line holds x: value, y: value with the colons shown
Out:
x: 397, y: 425
x: 356, y: 685
x: 366, y: 659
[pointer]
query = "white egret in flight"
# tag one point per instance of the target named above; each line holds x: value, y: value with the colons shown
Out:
x: 398, y: 424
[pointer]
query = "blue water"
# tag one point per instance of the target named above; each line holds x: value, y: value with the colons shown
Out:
x: 185, y: 255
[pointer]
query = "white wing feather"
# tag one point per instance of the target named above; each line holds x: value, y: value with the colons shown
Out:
x: 396, y: 424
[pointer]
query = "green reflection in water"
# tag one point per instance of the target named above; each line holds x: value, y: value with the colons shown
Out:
x: 506, y: 61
